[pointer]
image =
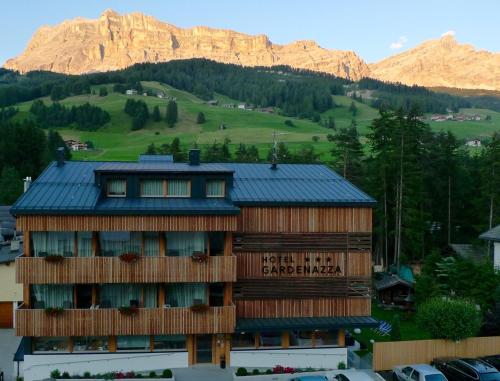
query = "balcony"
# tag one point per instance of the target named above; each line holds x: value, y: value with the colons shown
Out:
x: 111, y: 322
x: 74, y: 270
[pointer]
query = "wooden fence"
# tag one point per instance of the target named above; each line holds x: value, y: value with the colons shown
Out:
x: 389, y: 354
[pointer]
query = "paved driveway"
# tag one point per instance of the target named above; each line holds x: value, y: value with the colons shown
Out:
x: 8, y: 346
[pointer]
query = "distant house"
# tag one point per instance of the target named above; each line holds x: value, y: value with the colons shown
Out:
x: 242, y: 106
x: 213, y: 102
x: 75, y: 145
x: 161, y: 95
x: 228, y: 105
x: 493, y: 236
x: 131, y: 92
x: 145, y: 94
x: 473, y: 143
x: 395, y: 290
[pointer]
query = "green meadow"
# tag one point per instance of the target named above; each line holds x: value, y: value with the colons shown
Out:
x: 116, y: 141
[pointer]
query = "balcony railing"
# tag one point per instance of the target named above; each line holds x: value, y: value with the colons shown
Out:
x: 110, y: 322
x: 31, y: 270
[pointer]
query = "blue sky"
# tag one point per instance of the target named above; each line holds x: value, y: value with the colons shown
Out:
x: 373, y: 28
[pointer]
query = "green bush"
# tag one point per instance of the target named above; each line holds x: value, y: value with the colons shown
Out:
x: 152, y: 374
x: 242, y: 372
x: 86, y: 374
x: 255, y: 372
x: 65, y: 376
x: 18, y: 378
x: 55, y: 374
x: 269, y: 371
x: 396, y: 328
x: 167, y: 373
x: 452, y: 319
x: 341, y: 365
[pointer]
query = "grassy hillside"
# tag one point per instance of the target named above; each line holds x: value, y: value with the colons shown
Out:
x: 116, y: 141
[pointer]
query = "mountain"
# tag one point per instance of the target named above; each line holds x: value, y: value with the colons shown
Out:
x: 442, y: 63
x: 117, y: 41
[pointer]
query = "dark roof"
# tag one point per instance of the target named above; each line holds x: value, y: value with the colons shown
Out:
x: 492, y: 235
x: 272, y: 324
x: 71, y: 188
x: 389, y: 280
x: 160, y: 158
x: 24, y: 348
x: 6, y: 253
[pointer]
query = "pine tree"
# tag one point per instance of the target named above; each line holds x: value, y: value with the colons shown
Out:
x: 54, y: 141
x: 353, y: 109
x: 200, y: 118
x: 171, y: 117
x: 103, y: 92
x: 348, y: 152
x: 11, y: 186
x: 156, y: 114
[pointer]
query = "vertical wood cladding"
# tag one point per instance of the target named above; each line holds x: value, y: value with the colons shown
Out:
x: 126, y: 223
x: 304, y: 220
x: 280, y: 308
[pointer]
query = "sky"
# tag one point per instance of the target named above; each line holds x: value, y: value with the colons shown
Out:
x: 374, y: 29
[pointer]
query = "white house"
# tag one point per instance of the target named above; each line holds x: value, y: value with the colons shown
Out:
x: 473, y: 143
x: 131, y: 92
x: 493, y: 235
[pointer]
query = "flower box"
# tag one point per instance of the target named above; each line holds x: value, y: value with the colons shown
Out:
x: 54, y: 311
x: 54, y: 258
x: 199, y: 256
x: 129, y: 257
x: 129, y: 311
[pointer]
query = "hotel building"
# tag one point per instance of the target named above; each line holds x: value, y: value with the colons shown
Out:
x: 155, y: 264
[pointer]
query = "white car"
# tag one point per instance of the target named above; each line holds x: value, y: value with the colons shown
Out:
x: 417, y: 372
x: 354, y: 375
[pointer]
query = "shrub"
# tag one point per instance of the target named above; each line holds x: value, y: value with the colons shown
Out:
x: 269, y: 371
x: 315, y: 138
x: 65, y: 375
x: 242, y: 372
x: 200, y: 118
x: 278, y: 369
x: 288, y: 370
x: 255, y: 372
x: 55, y: 374
x: 167, y: 373
x: 396, y: 328
x: 19, y: 378
x: 86, y: 374
x: 452, y: 319
x: 152, y: 374
x: 341, y: 365
x: 289, y: 123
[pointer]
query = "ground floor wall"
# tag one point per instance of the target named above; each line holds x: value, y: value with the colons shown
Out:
x: 38, y: 367
x: 10, y: 293
x: 328, y: 358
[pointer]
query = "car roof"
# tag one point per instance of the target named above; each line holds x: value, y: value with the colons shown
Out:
x: 355, y: 375
x: 479, y: 366
x: 423, y: 368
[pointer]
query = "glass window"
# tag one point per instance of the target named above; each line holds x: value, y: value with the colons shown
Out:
x: 50, y: 344
x: 492, y: 376
x: 435, y: 377
x: 53, y: 243
x: 178, y: 188
x: 150, y: 296
x: 152, y: 188
x: 415, y: 375
x: 90, y: 344
x: 243, y: 340
x: 117, y: 188
x: 270, y: 339
x: 301, y: 339
x: 184, y: 244
x: 52, y: 295
x: 216, y: 188
x: 216, y: 243
x: 326, y: 338
x: 133, y: 343
x: 169, y: 343
x: 84, y: 244
x: 151, y: 244
x: 114, y: 244
x: 186, y: 294
x: 120, y: 295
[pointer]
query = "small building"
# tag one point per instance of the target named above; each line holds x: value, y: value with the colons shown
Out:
x: 131, y: 92
x: 161, y: 95
x: 473, y: 143
x: 213, y: 102
x: 75, y: 145
x: 228, y: 105
x: 493, y: 235
x: 395, y: 290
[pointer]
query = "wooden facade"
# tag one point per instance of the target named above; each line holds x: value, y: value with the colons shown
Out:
x: 81, y: 270
x: 111, y: 322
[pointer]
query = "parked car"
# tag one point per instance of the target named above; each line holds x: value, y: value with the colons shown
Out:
x: 492, y: 360
x: 417, y: 372
x: 467, y: 370
x: 309, y: 378
x: 352, y: 375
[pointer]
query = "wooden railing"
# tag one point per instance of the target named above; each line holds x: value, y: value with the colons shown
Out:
x: 30, y: 270
x: 110, y: 322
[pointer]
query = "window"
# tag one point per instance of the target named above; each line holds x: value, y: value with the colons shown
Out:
x: 301, y: 339
x: 270, y: 339
x: 152, y: 188
x: 90, y: 344
x: 216, y: 243
x: 407, y: 371
x: 184, y: 244
x: 50, y: 344
x: 133, y: 343
x: 120, y: 295
x: 52, y: 295
x: 169, y: 343
x: 84, y: 244
x: 117, y: 188
x: 243, y: 340
x: 178, y: 188
x: 326, y: 338
x: 415, y: 375
x: 114, y: 244
x: 216, y: 188
x: 186, y: 294
x: 151, y: 244
x: 53, y: 243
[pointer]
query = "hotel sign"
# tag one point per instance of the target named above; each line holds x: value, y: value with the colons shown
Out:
x: 321, y: 265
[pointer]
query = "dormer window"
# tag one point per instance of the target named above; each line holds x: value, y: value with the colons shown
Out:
x: 178, y: 188
x: 152, y: 188
x: 216, y: 188
x: 116, y: 187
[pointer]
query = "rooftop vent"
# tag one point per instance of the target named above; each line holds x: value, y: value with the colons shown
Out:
x: 60, y: 156
x: 194, y: 157
x: 27, y: 183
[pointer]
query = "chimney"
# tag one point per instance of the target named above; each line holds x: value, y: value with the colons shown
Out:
x: 60, y: 156
x: 14, y: 245
x: 194, y: 157
x: 27, y: 183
